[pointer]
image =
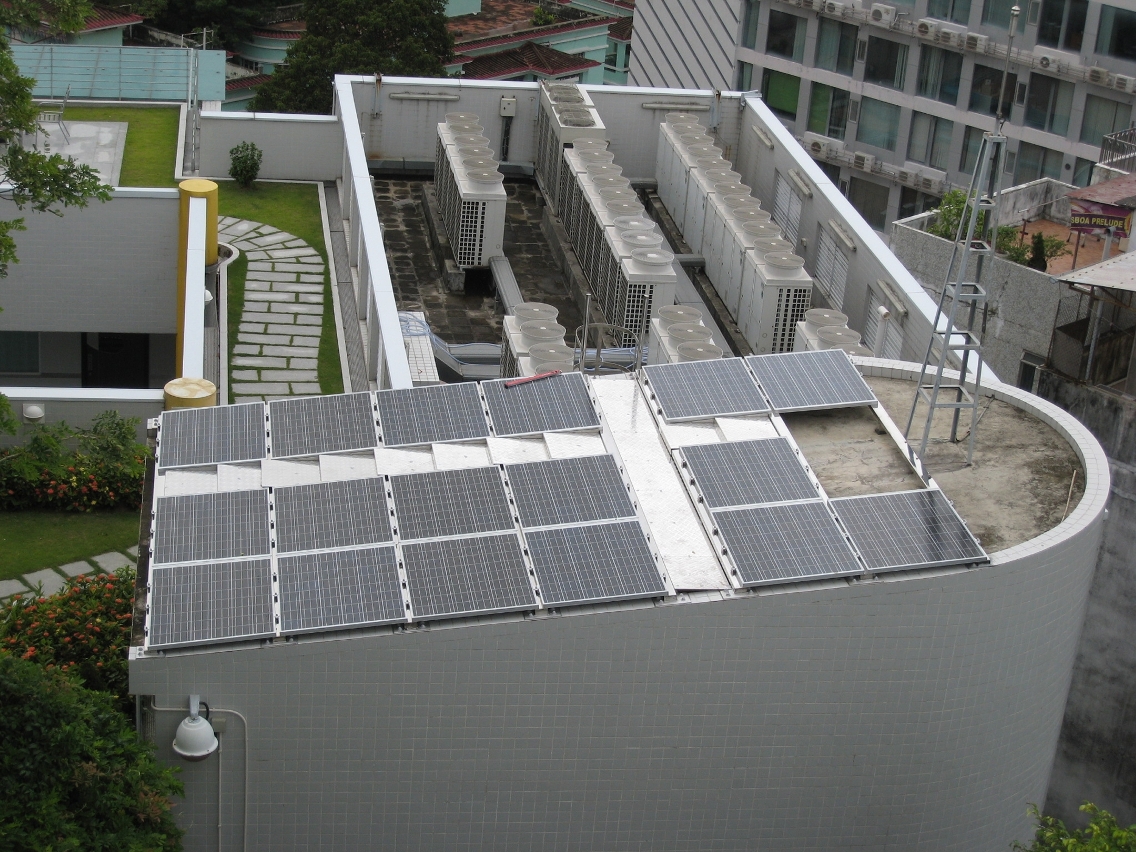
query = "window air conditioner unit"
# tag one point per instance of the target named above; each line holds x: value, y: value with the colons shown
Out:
x: 927, y: 28
x: 834, y: 8
x: 977, y: 42
x: 1098, y: 75
x: 1124, y: 84
x: 883, y: 15
x: 864, y: 162
x: 816, y: 145
x: 950, y: 38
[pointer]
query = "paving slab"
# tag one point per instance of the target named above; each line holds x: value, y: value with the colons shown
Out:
x: 310, y: 298
x: 304, y: 319
x: 301, y: 351
x: 302, y: 363
x: 259, y: 361
x: 312, y: 279
x: 246, y: 349
x: 294, y: 308
x: 302, y: 330
x: 259, y: 388
x: 74, y: 569
x: 306, y: 388
x: 11, y: 587
x: 293, y: 287
x: 133, y: 550
x: 289, y: 375
x: 245, y: 376
x: 111, y: 562
x: 50, y: 582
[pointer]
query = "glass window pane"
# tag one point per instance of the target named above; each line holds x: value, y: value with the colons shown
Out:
x: 819, y: 105
x: 1117, y: 33
x: 831, y: 171
x: 1075, y: 24
x: 985, y: 87
x: 886, y: 63
x: 744, y: 77
x: 997, y: 13
x: 1035, y: 162
x: 939, y: 73
x: 749, y: 24
x: 836, y: 46
x: 1049, y: 26
x: 879, y: 124
x: 940, y: 143
x: 19, y: 351
x: 957, y: 11
x: 1082, y: 172
x: 919, y: 140
x: 870, y: 200
x: 971, y: 141
x: 780, y: 92
x: 786, y: 36
x: 1103, y: 116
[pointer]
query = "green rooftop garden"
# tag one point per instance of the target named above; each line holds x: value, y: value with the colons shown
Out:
x: 151, y: 140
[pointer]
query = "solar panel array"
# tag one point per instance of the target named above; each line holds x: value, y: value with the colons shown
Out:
x: 746, y: 473
x: 803, y: 381
x: 600, y: 562
x: 216, y: 435
x: 431, y: 414
x: 322, y: 424
x: 699, y: 389
x: 204, y: 527
x: 565, y: 491
x: 466, y: 576
x: 331, y: 514
x: 451, y: 502
x: 908, y: 529
x: 344, y: 588
x: 546, y: 405
x: 191, y: 604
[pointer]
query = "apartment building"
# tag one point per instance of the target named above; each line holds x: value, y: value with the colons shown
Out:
x: 892, y: 99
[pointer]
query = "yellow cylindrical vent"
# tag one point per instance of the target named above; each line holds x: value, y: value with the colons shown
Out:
x: 190, y: 393
x: 193, y: 188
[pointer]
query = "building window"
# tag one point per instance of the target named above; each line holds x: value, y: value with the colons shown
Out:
x: 1048, y: 104
x: 780, y: 93
x: 1062, y: 23
x: 885, y: 63
x: 749, y: 24
x: 912, y: 202
x: 870, y: 200
x: 971, y: 142
x: 997, y: 14
x: 1117, y: 33
x: 19, y: 351
x: 836, y: 46
x: 1083, y: 172
x: 1102, y: 117
x: 786, y: 36
x: 744, y: 77
x: 787, y: 209
x: 985, y: 87
x: 930, y: 140
x: 828, y: 111
x: 1035, y: 162
x: 879, y: 124
x: 831, y: 268
x: 957, y: 11
x: 831, y: 171
x: 939, y: 73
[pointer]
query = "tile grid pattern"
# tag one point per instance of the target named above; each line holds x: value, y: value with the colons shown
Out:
x: 277, y: 346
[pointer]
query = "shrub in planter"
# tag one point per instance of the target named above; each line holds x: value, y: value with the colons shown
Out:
x: 244, y: 163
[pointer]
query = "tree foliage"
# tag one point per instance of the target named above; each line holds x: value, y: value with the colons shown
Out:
x: 953, y: 209
x: 1102, y: 834
x: 82, y: 631
x: 73, y: 773
x: 403, y: 37
x: 229, y: 22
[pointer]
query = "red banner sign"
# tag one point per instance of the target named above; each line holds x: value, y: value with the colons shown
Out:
x: 1093, y: 218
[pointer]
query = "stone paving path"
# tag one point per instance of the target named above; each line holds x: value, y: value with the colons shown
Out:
x: 277, y: 346
x: 50, y: 580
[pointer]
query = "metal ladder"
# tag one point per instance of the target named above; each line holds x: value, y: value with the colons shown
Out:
x: 980, y: 214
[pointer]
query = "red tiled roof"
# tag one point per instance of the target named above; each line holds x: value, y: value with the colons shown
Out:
x: 528, y: 57
x: 534, y: 32
x: 1120, y: 191
x: 102, y: 18
x: 241, y: 83
x: 624, y: 4
x: 495, y: 17
x: 621, y: 29
x: 283, y: 35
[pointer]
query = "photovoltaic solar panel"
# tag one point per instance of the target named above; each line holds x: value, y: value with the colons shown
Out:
x: 744, y: 473
x: 322, y: 424
x: 785, y: 543
x: 908, y: 529
x: 799, y: 381
x: 431, y: 414
x: 203, y: 527
x: 331, y: 514
x: 699, y: 389
x: 465, y: 576
x: 215, y: 435
x: 565, y: 491
x: 451, y: 502
x: 192, y: 604
x: 546, y: 405
x: 600, y: 562
x: 344, y: 588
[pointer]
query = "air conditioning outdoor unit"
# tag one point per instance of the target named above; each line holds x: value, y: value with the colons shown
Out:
x: 1046, y: 61
x: 1124, y: 84
x: 816, y: 145
x: 927, y: 28
x: 835, y: 146
x: 834, y: 8
x: 864, y: 162
x: 1098, y: 75
x: 471, y: 199
x: 906, y: 176
x: 977, y: 42
x: 812, y: 4
x: 931, y: 181
x: 882, y: 15
x: 950, y: 38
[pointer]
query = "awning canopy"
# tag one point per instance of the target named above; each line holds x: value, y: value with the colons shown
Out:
x: 1117, y: 273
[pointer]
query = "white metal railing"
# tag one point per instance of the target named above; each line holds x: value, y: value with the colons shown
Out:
x: 387, y: 362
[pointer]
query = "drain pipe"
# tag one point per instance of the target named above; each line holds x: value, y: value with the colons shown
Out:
x: 881, y: 331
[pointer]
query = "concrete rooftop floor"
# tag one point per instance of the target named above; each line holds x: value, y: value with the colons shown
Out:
x: 96, y: 144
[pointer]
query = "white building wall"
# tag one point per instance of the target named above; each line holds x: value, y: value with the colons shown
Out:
x: 910, y: 713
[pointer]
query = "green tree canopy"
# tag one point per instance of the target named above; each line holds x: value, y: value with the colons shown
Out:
x: 1102, y: 834
x: 403, y: 37
x: 45, y: 183
x: 73, y: 774
x: 230, y: 22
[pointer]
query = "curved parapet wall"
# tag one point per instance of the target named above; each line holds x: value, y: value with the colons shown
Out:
x: 912, y: 712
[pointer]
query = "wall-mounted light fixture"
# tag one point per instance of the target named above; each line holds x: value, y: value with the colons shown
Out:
x: 195, y: 739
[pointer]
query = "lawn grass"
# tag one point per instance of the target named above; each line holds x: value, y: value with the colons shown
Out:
x: 33, y: 540
x: 294, y: 208
x: 151, y: 141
